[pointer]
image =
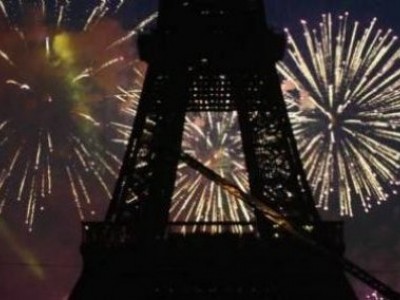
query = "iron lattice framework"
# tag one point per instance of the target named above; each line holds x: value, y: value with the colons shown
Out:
x: 209, y: 55
x: 209, y: 63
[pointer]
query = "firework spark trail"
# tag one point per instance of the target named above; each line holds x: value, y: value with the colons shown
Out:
x: 54, y: 129
x: 142, y: 25
x: 343, y: 97
x: 128, y: 99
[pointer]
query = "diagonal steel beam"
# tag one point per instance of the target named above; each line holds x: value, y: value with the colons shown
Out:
x: 299, y: 233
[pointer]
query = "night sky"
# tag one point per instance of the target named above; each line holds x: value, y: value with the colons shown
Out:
x: 45, y: 263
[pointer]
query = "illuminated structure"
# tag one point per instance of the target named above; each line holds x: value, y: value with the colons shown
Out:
x: 209, y: 55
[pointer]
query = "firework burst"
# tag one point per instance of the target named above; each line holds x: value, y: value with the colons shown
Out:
x: 57, y: 89
x: 342, y: 90
x: 212, y: 138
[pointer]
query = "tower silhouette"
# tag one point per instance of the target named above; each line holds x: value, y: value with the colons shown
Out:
x: 210, y: 56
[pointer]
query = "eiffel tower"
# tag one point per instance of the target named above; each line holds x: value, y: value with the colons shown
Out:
x: 211, y: 56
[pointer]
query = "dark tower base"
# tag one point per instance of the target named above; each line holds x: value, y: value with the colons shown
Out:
x: 208, y: 267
